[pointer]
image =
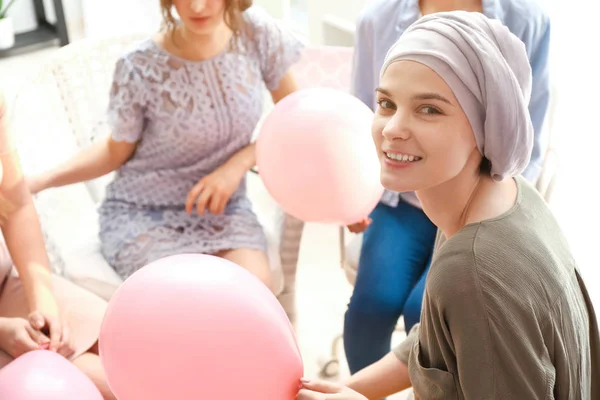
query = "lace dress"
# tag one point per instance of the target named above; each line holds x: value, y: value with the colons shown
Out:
x: 188, y: 117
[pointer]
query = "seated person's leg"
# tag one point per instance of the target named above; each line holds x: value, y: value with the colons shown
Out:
x: 394, y: 255
x: 91, y: 365
x: 412, y: 307
x: 255, y: 261
x: 82, y: 312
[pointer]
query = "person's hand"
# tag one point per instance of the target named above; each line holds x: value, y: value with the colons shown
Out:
x: 360, y: 226
x: 47, y: 321
x: 214, y: 190
x: 18, y: 337
x: 321, y: 390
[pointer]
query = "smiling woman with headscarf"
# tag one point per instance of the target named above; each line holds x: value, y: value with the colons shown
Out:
x: 506, y: 314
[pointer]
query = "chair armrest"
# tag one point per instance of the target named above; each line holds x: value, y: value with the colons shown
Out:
x: 289, y: 252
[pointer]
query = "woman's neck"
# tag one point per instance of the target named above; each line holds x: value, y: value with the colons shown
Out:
x: 447, y: 205
x: 193, y: 47
x: 434, y: 6
x: 467, y: 198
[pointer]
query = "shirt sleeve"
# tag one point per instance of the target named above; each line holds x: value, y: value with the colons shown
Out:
x: 364, y: 69
x: 278, y: 48
x: 538, y: 38
x: 402, y: 351
x: 127, y: 103
x: 472, y: 342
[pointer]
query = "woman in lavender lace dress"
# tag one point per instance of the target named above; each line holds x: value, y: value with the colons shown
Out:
x: 183, y: 107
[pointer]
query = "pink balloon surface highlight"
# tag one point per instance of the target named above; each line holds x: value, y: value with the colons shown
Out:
x: 316, y: 156
x: 45, y: 375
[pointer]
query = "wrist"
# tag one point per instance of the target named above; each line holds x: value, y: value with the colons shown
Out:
x: 239, y: 166
x: 45, y: 180
x: 40, y: 295
x: 245, y: 159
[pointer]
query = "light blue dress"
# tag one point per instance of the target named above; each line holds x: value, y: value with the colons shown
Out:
x: 188, y: 118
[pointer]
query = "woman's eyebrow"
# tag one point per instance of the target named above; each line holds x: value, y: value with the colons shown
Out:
x: 432, y: 96
x: 420, y: 96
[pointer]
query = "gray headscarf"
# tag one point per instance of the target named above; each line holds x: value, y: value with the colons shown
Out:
x: 487, y: 68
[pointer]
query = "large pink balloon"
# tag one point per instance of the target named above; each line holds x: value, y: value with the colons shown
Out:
x: 45, y: 375
x: 317, y: 159
x: 194, y: 327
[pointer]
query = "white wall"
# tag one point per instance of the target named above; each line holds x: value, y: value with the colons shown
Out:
x: 329, y: 21
x: 105, y: 18
x: 23, y: 13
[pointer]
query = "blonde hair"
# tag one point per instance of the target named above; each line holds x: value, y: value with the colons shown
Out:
x: 233, y: 15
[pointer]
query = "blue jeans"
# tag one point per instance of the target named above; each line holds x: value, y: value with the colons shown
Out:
x: 394, y: 260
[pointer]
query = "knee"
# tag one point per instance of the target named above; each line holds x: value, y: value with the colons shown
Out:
x: 254, y: 261
x: 380, y: 287
x: 267, y: 279
x: 89, y: 363
x: 259, y: 267
x: 376, y: 301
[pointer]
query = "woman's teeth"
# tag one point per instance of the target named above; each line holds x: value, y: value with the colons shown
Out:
x: 402, y: 157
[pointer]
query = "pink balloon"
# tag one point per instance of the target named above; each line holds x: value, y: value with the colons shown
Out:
x: 317, y: 159
x: 45, y: 375
x: 198, y: 327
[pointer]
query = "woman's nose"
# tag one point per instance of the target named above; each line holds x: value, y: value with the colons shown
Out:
x: 198, y: 5
x: 396, y: 127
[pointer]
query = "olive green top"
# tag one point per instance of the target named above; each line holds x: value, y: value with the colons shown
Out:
x: 506, y: 314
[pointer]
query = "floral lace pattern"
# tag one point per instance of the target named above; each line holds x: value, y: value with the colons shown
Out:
x: 188, y: 118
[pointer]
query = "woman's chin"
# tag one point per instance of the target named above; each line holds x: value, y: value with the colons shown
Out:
x: 398, y: 185
x: 400, y: 180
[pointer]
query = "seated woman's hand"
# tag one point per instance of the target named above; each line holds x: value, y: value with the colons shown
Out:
x: 18, y: 337
x: 321, y: 390
x: 214, y: 190
x: 360, y: 226
x: 47, y: 321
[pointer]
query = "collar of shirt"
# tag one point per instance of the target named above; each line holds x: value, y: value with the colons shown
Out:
x: 409, y: 12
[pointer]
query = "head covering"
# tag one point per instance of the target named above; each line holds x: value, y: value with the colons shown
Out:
x: 487, y: 68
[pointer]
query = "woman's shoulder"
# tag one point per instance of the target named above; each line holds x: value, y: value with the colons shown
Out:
x: 255, y: 18
x: 259, y: 25
x: 523, y: 251
x: 140, y: 56
x: 525, y: 18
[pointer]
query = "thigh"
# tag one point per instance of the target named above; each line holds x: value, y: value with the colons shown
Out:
x: 394, y: 254
x: 413, y: 305
x: 253, y: 260
x: 145, y: 236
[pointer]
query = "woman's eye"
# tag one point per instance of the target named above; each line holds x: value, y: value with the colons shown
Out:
x: 385, y: 104
x: 430, y: 110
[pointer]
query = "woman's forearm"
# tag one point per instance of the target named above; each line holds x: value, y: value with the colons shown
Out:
x: 25, y: 243
x: 93, y: 162
x: 244, y: 159
x: 384, y: 378
x: 20, y: 224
